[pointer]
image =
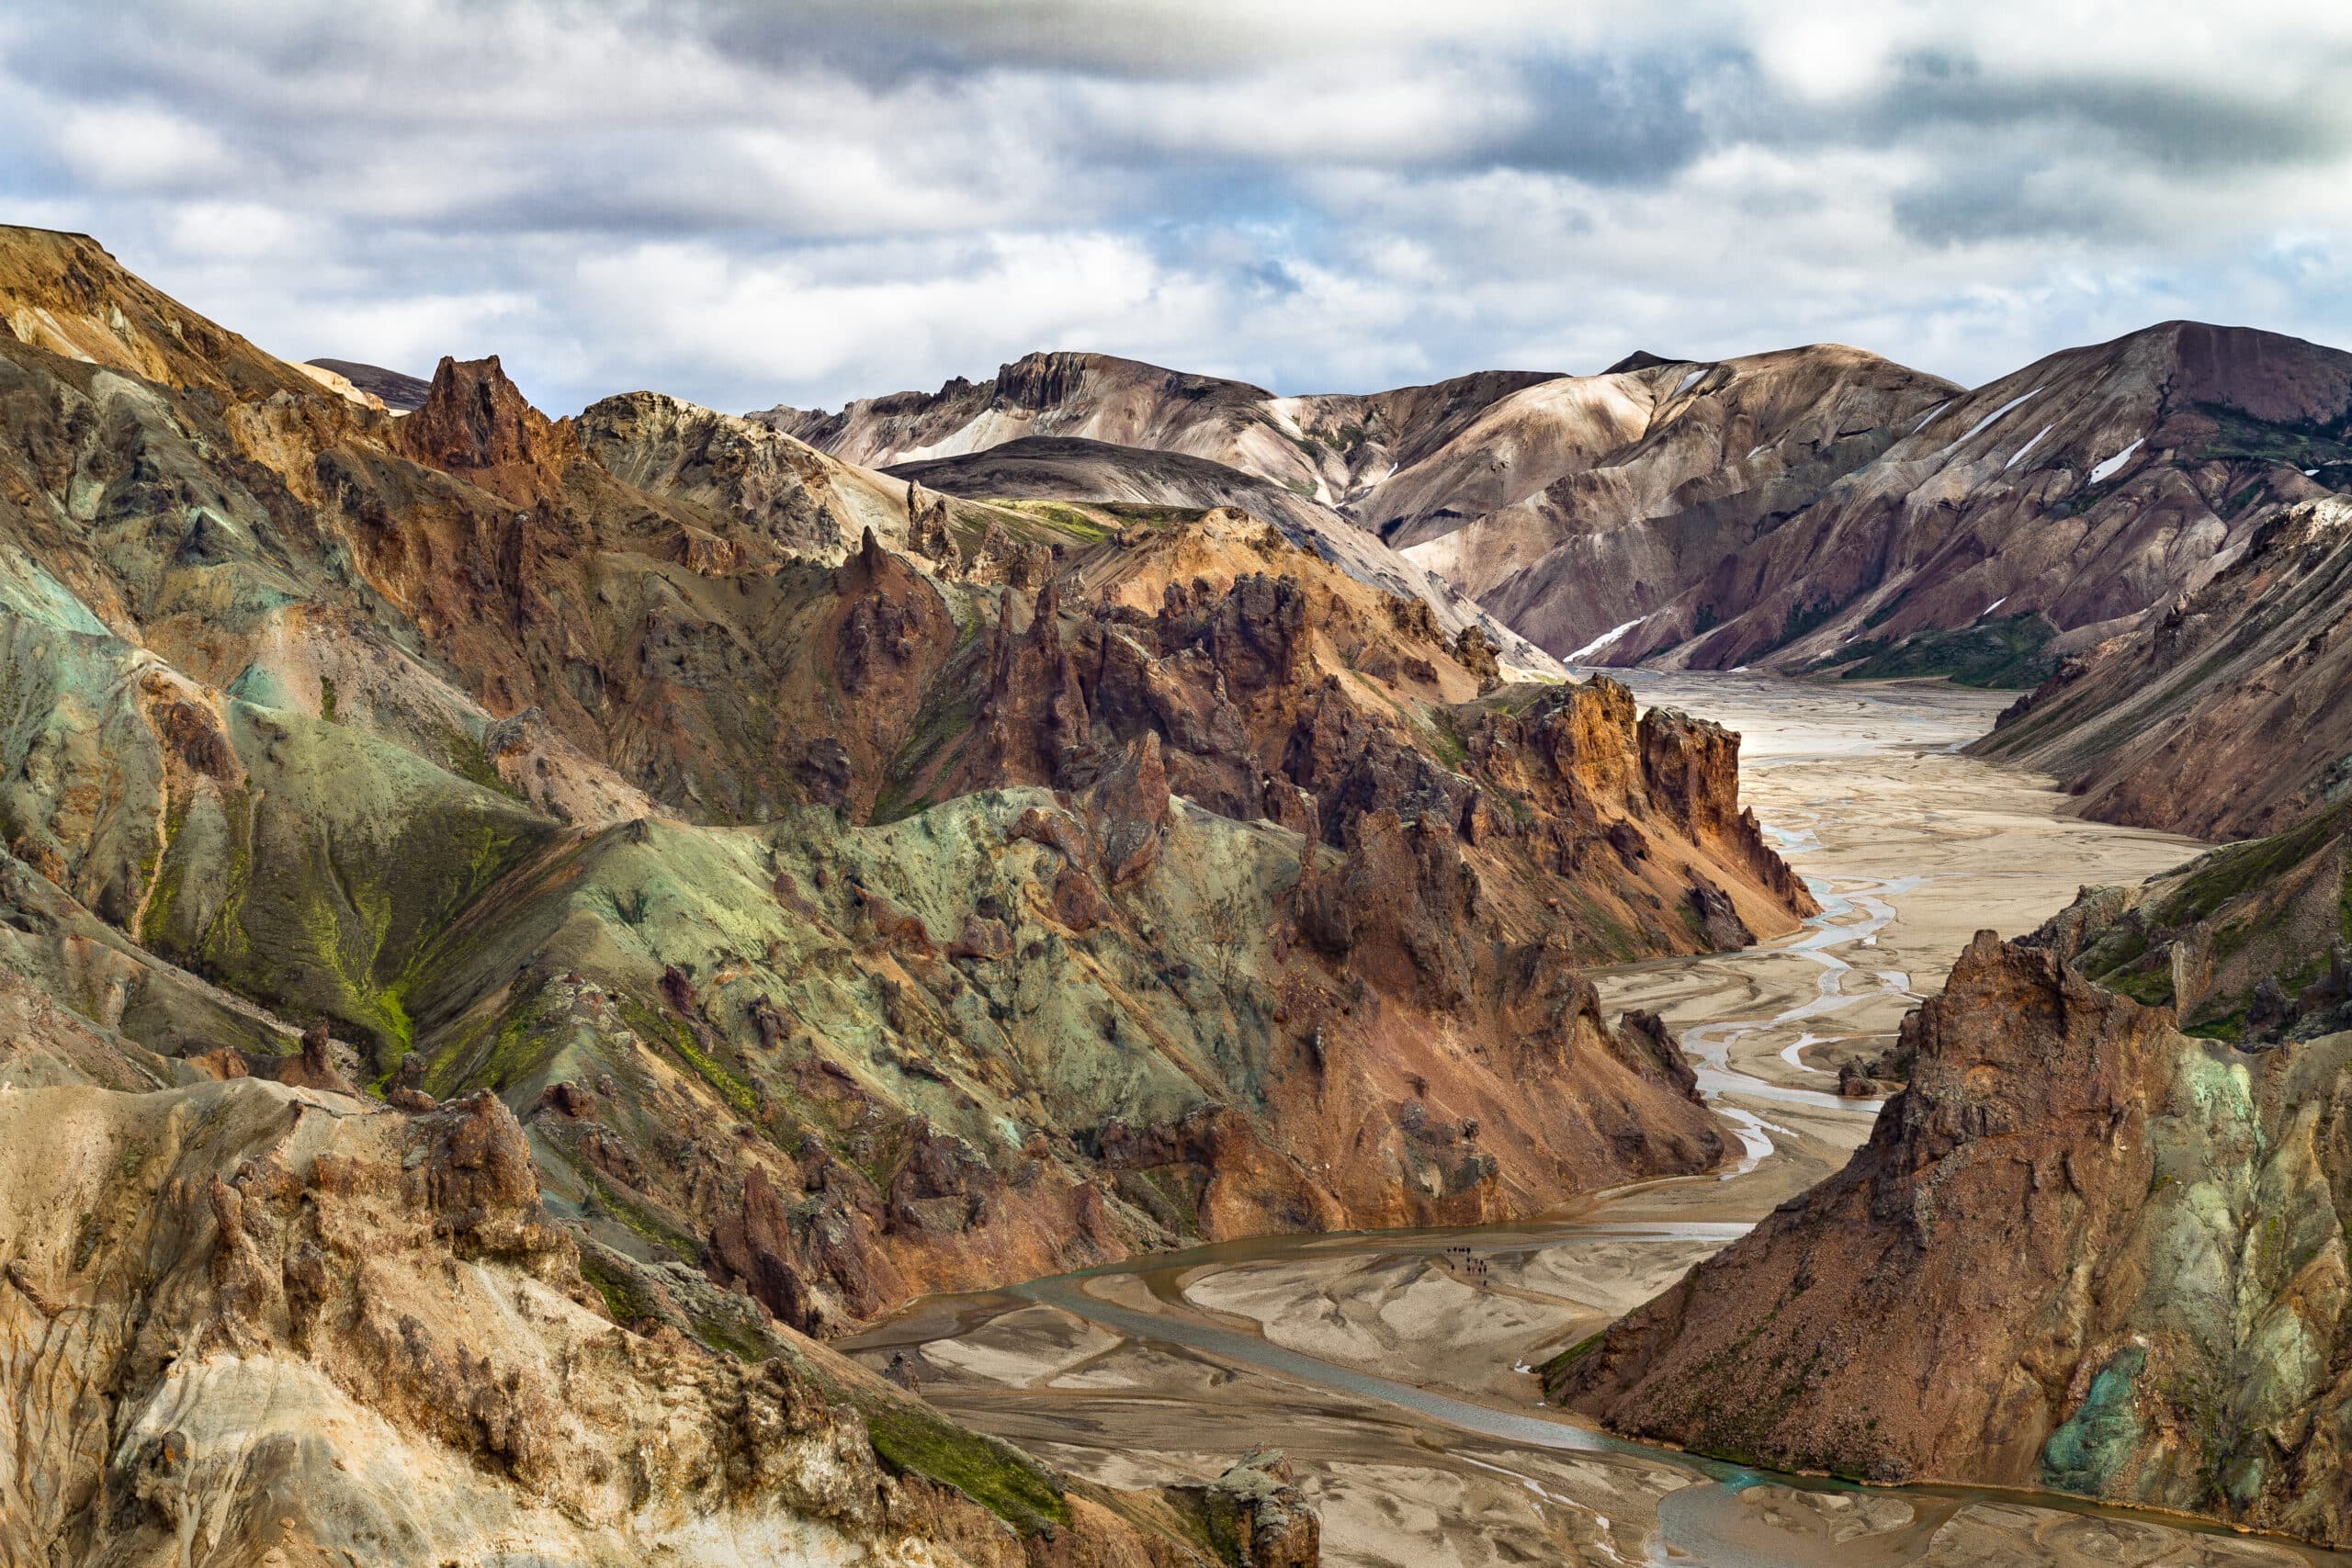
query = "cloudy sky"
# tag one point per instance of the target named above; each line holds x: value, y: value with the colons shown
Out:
x: 807, y: 202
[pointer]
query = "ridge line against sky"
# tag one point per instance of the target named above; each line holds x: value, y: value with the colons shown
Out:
x: 745, y: 205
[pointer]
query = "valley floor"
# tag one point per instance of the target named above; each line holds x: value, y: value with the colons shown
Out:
x: 1390, y: 1365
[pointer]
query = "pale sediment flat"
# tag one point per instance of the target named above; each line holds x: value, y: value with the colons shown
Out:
x: 1389, y: 1365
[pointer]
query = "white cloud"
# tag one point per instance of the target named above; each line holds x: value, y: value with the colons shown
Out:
x: 745, y: 205
x: 138, y: 146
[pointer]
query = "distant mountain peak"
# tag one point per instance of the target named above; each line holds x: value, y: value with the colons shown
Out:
x: 401, y: 393
x: 1640, y: 359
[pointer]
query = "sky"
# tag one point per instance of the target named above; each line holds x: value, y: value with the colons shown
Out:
x: 804, y: 203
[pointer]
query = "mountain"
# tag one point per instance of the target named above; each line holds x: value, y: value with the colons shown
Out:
x: 2082, y: 1249
x: 689, y: 890
x: 2223, y: 718
x: 401, y: 394
x: 1159, y: 437
x: 1327, y: 447
x: 1816, y: 508
x: 2062, y: 504
x: 1573, y: 506
x: 1566, y: 499
x: 1146, y: 481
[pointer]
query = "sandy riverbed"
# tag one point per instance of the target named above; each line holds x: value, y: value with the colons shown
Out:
x: 1386, y: 1365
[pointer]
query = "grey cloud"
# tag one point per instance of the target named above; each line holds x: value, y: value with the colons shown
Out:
x: 866, y: 195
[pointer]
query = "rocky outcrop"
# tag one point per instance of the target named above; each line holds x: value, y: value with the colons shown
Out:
x: 2244, y: 943
x: 476, y: 424
x: 795, y: 499
x: 2115, y: 1252
x: 1256, y: 1515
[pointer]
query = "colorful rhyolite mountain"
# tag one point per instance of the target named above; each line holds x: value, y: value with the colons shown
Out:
x: 512, y: 923
x: 1817, y: 507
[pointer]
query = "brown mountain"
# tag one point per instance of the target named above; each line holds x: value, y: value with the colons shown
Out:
x: 1162, y: 438
x: 834, y: 889
x: 1146, y: 481
x: 1566, y: 499
x: 1327, y: 447
x: 1574, y: 506
x: 2082, y: 1249
x: 2070, y: 500
x: 2224, y: 717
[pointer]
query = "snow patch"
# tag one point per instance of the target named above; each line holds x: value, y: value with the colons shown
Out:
x: 1930, y: 414
x: 1988, y: 419
x: 1691, y: 381
x: 2112, y: 465
x: 1604, y: 640
x: 1993, y: 606
x: 2029, y: 446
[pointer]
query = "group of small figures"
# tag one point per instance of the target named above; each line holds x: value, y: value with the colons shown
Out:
x: 1461, y: 1258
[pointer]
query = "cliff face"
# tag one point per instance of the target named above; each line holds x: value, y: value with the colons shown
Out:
x: 2082, y: 1250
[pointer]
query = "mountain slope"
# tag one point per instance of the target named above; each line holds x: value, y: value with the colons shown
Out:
x: 1069, y: 469
x: 2084, y: 490
x: 2225, y: 716
x: 1576, y: 504
x: 1327, y: 447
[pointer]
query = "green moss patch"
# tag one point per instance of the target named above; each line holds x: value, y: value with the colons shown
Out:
x: 998, y: 1476
x: 2004, y: 655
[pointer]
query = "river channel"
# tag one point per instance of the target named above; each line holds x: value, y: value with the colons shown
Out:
x: 1393, y: 1367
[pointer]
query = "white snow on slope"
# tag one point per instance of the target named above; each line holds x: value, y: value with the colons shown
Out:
x: 1987, y: 420
x: 2111, y: 466
x: 1604, y: 640
x: 2029, y: 446
x: 1930, y: 414
x: 1689, y: 380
